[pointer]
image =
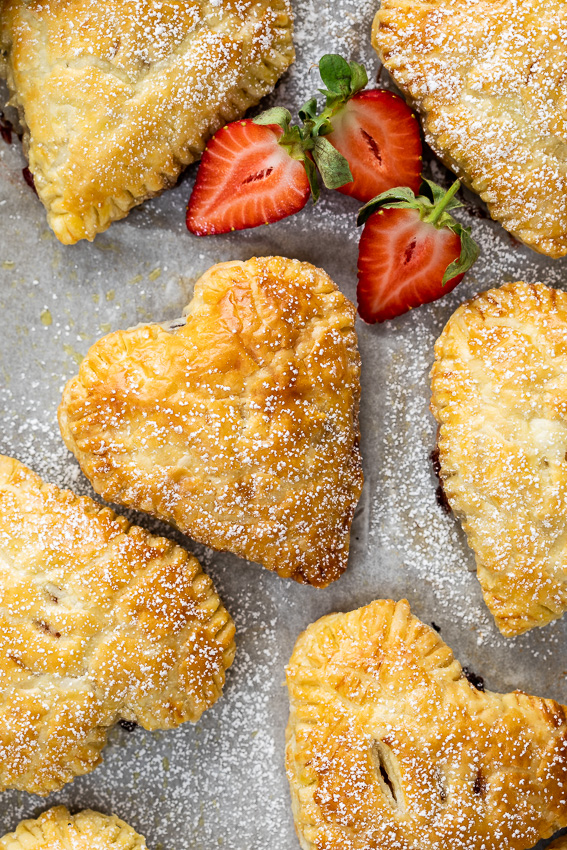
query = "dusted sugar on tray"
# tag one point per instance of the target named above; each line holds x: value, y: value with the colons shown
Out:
x: 389, y: 745
x: 116, y: 98
x: 100, y: 621
x: 237, y: 424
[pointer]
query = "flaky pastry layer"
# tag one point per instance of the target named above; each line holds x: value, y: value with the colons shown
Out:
x: 117, y: 97
x: 389, y: 746
x: 241, y: 426
x: 499, y: 394
x: 57, y: 829
x: 99, y: 620
x: 488, y: 78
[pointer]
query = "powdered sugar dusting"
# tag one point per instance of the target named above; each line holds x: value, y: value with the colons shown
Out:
x: 489, y: 78
x: 392, y: 746
x: 221, y: 783
x: 132, y: 91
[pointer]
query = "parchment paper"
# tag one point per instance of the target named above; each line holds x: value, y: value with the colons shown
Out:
x: 221, y: 783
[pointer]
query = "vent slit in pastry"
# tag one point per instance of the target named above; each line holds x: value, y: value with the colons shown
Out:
x: 137, y: 633
x: 441, y: 783
x: 389, y: 746
x: 45, y: 627
x: 479, y: 787
x: 387, y: 773
x: 239, y: 426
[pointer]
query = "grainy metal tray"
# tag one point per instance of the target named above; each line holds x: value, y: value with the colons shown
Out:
x: 221, y: 783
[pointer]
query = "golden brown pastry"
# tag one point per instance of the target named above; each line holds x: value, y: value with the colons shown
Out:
x: 99, y: 620
x: 239, y: 426
x: 56, y: 829
x: 390, y: 747
x: 488, y: 79
x: 499, y: 387
x: 560, y: 844
x: 116, y: 97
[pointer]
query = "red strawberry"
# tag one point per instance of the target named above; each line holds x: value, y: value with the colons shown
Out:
x: 401, y: 263
x: 246, y: 178
x: 378, y: 135
x: 406, y: 250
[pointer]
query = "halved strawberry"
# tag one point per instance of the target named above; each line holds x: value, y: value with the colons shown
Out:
x: 246, y: 178
x: 401, y: 263
x: 411, y: 251
x: 378, y: 135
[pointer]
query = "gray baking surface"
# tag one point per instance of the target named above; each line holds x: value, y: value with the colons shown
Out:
x: 221, y: 783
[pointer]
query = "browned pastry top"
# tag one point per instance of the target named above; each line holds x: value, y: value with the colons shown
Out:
x: 488, y: 77
x: 499, y: 385
x: 390, y: 747
x: 116, y: 97
x: 241, y: 425
x: 99, y: 620
x: 56, y: 829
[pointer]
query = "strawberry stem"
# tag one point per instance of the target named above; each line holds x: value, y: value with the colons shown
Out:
x: 439, y: 208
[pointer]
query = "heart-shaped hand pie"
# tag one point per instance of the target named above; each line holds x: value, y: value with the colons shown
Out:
x: 57, y: 829
x: 500, y: 396
x: 488, y: 77
x: 390, y: 747
x: 241, y: 426
x: 99, y: 621
x: 117, y: 97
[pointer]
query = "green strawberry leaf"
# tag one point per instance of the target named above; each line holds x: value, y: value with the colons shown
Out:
x: 277, y: 115
x: 400, y: 197
x: 321, y: 126
x: 308, y: 111
x: 358, y: 77
x: 469, y: 253
x: 437, y: 193
x: 332, y: 165
x: 313, y: 178
x: 336, y: 75
x: 343, y: 79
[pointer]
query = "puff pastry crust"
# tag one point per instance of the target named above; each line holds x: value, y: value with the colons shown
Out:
x: 117, y: 97
x: 56, y: 829
x: 390, y: 747
x: 499, y: 385
x: 99, y: 620
x: 241, y: 426
x: 560, y: 844
x: 488, y: 77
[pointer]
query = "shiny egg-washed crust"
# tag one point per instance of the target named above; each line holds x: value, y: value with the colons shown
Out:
x: 499, y: 394
x: 240, y: 427
x: 117, y: 97
x: 99, y: 621
x: 488, y: 79
x: 390, y: 747
x: 56, y: 829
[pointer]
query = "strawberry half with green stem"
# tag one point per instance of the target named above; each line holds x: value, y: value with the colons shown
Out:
x: 411, y: 252
x: 374, y: 129
x: 259, y: 171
